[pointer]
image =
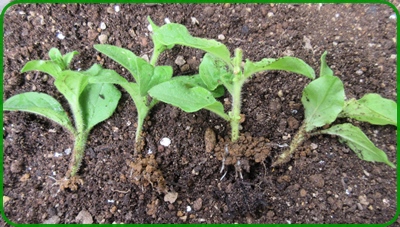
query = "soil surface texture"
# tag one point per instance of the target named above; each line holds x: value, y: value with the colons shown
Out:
x: 325, y: 182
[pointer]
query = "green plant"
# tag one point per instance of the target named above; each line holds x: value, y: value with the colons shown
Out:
x: 217, y: 70
x: 90, y: 103
x: 324, y: 102
x: 146, y: 76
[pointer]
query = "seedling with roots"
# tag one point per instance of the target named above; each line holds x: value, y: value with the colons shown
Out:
x: 216, y: 71
x: 324, y: 102
x: 90, y: 104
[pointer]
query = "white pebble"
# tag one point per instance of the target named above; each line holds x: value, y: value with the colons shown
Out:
x: 188, y: 209
x: 149, y: 28
x: 221, y: 37
x: 67, y: 151
x: 165, y: 141
x: 103, y: 26
x: 116, y: 8
x: 167, y: 21
x: 60, y: 36
x: 194, y: 20
x: 58, y: 154
x: 110, y: 201
x: 270, y: 14
x: 393, y: 16
x: 359, y: 72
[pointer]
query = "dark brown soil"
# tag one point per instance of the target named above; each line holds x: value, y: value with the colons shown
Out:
x: 325, y: 182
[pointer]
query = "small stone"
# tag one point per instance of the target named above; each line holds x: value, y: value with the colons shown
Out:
x: 221, y: 37
x: 5, y: 200
x: 303, y: 192
x: 53, y: 220
x: 103, y: 38
x: 314, y: 146
x: 317, y: 180
x: 270, y: 14
x: 194, y: 20
x: 359, y: 72
x: 103, y: 26
x: 280, y: 93
x: 16, y: 166
x: 25, y: 177
x: 185, y: 68
x: 179, y: 213
x: 165, y: 141
x: 179, y: 60
x: 84, y: 217
x: 197, y: 204
x: 210, y: 140
x: 171, y: 197
x: 208, y: 11
x: 363, y: 200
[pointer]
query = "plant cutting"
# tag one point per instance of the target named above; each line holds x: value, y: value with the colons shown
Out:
x: 217, y: 70
x: 90, y: 104
x: 324, y: 102
x: 146, y: 76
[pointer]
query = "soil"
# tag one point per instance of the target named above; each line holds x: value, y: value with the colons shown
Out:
x: 324, y: 182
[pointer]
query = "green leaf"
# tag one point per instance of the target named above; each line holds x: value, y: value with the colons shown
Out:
x: 211, y: 69
x: 290, y: 64
x: 98, y: 102
x: 372, y: 108
x: 71, y: 84
x: 55, y: 54
x: 354, y: 138
x: 67, y: 58
x: 176, y: 34
x: 188, y: 98
x: 323, y: 100
x: 141, y: 70
x: 49, y: 67
x: 325, y: 70
x: 41, y: 104
x: 160, y: 75
x: 196, y: 81
x: 104, y: 76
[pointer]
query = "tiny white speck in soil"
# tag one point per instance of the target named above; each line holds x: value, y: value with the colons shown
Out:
x: 67, y: 151
x: 188, y: 209
x: 58, y: 154
x: 60, y: 36
x: 116, y: 8
x: 165, y: 141
x: 167, y: 21
x: 103, y: 26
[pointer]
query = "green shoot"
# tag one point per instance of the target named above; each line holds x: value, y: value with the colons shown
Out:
x: 90, y: 103
x: 324, y: 102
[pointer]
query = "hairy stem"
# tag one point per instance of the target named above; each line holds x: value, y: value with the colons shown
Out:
x: 297, y: 141
x: 77, y: 153
x: 238, y: 82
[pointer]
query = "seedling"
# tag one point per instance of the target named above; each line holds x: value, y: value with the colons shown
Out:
x: 324, y: 102
x: 90, y: 103
x: 217, y: 70
x: 146, y: 76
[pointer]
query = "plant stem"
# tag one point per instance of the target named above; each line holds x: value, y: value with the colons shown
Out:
x: 238, y: 82
x: 298, y: 139
x: 77, y: 153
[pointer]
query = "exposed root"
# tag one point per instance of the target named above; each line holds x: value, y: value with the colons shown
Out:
x: 145, y: 172
x: 71, y: 183
x: 240, y: 152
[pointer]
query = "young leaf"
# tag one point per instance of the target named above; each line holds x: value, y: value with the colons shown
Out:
x: 188, y: 98
x: 354, y: 138
x: 98, y: 102
x: 138, y: 67
x: 323, y: 100
x: 41, y: 104
x: 71, y: 84
x: 49, y: 67
x: 67, y: 58
x: 176, y: 34
x: 372, y: 108
x: 211, y: 69
x: 325, y: 70
x: 100, y: 75
x: 55, y: 55
x: 290, y: 64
